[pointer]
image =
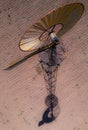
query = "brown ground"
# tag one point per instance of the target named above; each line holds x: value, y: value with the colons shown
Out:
x: 22, y: 90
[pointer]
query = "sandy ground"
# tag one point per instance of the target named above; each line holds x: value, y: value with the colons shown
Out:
x: 22, y: 89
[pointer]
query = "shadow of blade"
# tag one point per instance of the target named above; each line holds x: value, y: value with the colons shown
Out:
x: 46, y: 118
x: 49, y: 116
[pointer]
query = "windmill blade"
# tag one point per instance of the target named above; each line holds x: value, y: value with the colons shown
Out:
x: 28, y: 56
x: 59, y: 20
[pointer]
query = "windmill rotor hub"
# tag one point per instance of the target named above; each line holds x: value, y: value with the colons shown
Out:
x: 51, y: 33
x: 53, y: 37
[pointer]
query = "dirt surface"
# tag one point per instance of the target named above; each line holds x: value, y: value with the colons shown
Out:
x: 22, y: 89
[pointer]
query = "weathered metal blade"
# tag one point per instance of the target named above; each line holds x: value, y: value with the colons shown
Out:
x: 28, y: 56
x: 67, y: 16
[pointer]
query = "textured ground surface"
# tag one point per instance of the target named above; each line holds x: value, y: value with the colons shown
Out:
x: 22, y: 90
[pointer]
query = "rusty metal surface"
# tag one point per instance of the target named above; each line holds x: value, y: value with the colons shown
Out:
x: 66, y: 15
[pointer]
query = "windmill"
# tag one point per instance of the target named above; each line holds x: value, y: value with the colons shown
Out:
x: 43, y: 38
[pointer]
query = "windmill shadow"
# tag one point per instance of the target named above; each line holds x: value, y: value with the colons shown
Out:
x: 47, y: 117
